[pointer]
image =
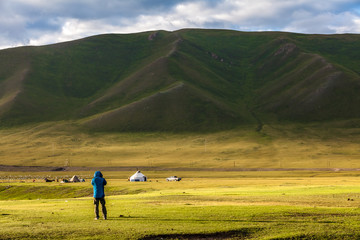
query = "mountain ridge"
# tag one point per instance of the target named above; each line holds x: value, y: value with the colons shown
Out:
x: 187, y: 80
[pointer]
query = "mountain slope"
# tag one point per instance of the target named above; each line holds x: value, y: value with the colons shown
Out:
x: 306, y: 86
x: 186, y: 80
x: 180, y: 107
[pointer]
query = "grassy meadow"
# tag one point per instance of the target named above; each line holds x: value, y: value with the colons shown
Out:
x: 276, y: 146
x: 215, y: 199
x: 247, y: 205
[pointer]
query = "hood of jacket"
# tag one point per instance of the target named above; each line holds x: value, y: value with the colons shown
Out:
x: 98, y: 174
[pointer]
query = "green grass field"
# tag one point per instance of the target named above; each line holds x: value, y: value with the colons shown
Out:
x: 247, y: 205
x: 217, y: 202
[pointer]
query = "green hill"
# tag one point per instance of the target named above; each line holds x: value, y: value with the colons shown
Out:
x: 188, y: 80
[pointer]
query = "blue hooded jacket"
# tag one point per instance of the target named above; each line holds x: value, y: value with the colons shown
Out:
x: 98, y: 182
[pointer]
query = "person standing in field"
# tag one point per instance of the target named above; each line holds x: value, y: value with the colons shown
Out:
x: 98, y: 183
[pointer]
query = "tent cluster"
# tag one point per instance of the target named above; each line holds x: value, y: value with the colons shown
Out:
x: 73, y: 179
x: 137, y: 177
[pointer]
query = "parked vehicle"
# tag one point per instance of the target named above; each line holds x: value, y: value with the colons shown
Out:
x: 173, y: 178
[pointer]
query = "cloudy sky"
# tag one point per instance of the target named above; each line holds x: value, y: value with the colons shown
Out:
x: 39, y: 22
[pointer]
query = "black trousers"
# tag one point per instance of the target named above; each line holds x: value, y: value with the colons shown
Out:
x: 103, y: 208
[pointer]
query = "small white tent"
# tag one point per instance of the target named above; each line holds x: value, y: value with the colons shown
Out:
x: 74, y: 179
x: 138, y: 177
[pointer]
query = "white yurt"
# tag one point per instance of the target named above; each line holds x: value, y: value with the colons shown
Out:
x: 138, y: 177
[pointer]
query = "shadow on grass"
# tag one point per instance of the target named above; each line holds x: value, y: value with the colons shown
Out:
x: 246, y: 233
x: 138, y: 218
x: 236, y: 234
x: 321, y: 237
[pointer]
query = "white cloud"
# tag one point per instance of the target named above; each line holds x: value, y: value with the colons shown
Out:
x: 325, y: 23
x: 345, y: 27
x: 305, y: 16
x: 39, y: 22
x: 74, y: 29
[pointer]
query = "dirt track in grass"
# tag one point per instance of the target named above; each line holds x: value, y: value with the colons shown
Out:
x: 13, y: 168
